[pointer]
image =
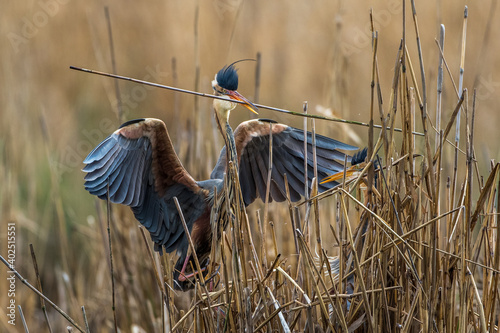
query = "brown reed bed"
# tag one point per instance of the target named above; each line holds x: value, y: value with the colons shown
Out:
x: 404, y: 245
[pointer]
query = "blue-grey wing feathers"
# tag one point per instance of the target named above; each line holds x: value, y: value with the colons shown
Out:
x: 121, y: 168
x: 288, y: 158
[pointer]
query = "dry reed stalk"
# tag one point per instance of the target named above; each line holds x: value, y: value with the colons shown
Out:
x: 440, y: 84
x: 370, y: 151
x: 306, y: 166
x: 496, y: 263
x: 291, y: 214
x: 269, y: 172
x: 262, y: 230
x: 39, y: 287
x: 314, y: 187
x: 258, y: 65
x: 23, y: 320
x: 119, y: 109
x: 110, y: 248
x: 196, y: 118
x: 85, y: 320
x: 461, y: 76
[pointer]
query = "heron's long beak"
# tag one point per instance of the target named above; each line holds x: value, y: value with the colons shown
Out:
x: 353, y: 171
x: 233, y: 94
x: 336, y: 176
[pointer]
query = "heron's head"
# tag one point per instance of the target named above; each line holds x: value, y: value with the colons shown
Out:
x: 225, y: 84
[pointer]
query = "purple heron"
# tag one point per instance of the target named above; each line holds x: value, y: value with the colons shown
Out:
x: 137, y: 166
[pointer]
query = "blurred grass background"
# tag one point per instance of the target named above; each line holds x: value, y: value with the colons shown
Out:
x: 315, y: 51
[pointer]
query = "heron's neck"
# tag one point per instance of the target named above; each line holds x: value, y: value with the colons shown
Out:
x: 230, y: 143
x: 228, y: 135
x: 223, y: 108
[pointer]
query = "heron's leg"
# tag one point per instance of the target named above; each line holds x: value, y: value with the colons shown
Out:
x: 184, y: 277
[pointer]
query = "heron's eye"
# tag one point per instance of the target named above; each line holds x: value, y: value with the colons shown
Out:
x: 219, y: 89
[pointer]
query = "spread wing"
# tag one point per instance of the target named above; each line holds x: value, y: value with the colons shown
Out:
x: 137, y: 164
x: 252, y: 144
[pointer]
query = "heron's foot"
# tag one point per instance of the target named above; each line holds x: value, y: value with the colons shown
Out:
x: 184, y: 279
